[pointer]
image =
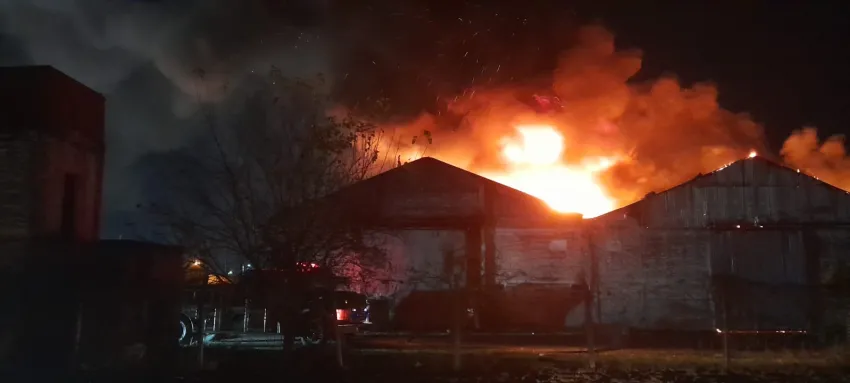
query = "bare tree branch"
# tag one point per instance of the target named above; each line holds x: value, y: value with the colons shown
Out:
x: 255, y: 193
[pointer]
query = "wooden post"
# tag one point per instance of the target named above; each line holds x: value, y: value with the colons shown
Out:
x: 588, y: 327
x: 335, y: 328
x: 456, y: 326
x: 595, y: 300
x: 589, y: 290
x: 202, y: 291
x: 456, y: 270
x: 489, y: 234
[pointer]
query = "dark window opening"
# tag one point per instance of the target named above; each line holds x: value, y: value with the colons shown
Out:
x: 69, y: 207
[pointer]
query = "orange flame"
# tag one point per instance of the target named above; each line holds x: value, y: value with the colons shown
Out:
x: 535, y: 166
x: 752, y: 154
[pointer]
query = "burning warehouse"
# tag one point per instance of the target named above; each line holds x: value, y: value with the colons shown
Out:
x: 754, y: 242
x: 449, y: 228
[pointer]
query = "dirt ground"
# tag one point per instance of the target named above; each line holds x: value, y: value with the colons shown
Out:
x: 506, y: 366
x: 405, y: 359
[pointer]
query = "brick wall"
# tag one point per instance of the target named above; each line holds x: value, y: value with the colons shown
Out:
x: 33, y: 167
x: 51, y: 127
x: 16, y: 172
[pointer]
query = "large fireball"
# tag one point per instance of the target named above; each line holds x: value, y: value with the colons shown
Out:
x: 535, y: 166
x: 597, y: 139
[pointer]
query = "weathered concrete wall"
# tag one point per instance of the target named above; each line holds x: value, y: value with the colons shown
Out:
x: 415, y: 279
x: 539, y: 255
x: 653, y: 279
x: 415, y: 263
x: 538, y: 269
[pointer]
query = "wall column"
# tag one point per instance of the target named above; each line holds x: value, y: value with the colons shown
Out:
x: 489, y: 256
x: 473, y: 257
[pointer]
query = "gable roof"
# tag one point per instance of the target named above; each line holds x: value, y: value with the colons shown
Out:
x: 438, y: 175
x: 736, y: 165
x: 428, y: 179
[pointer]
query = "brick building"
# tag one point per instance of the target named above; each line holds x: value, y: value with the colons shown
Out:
x: 51, y: 156
x: 68, y: 289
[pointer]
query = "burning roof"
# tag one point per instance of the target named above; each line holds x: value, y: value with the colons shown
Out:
x: 735, y: 174
x: 589, y: 137
x: 437, y: 189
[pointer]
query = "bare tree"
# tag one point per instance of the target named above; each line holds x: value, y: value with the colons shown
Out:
x: 256, y: 191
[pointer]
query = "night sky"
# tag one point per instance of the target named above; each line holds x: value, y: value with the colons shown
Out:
x: 782, y: 62
x: 785, y: 63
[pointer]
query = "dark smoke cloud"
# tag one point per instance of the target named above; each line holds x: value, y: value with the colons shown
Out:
x: 417, y: 53
x: 662, y: 132
x: 143, y: 56
x: 438, y: 65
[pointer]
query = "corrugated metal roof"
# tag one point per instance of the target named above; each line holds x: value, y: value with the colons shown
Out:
x: 741, y: 177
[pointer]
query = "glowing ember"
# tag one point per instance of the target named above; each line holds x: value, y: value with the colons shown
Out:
x: 535, y: 167
x: 752, y: 154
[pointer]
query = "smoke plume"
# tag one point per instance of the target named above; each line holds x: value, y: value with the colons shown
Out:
x: 662, y: 132
x: 144, y: 57
x: 465, y: 71
x: 826, y: 160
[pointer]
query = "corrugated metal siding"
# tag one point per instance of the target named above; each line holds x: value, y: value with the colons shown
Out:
x: 543, y: 255
x: 773, y: 230
x: 834, y: 252
x: 662, y: 279
x: 16, y: 174
x: 769, y: 256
